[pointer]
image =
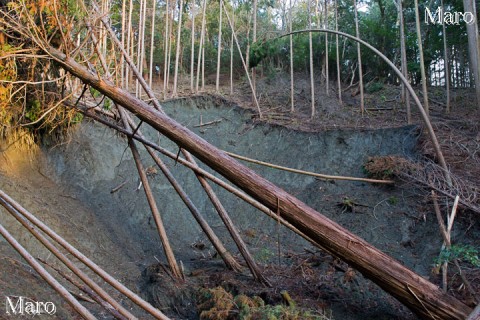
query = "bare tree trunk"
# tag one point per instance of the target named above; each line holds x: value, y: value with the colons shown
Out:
x: 339, y: 81
x: 422, y: 63
x: 423, y: 297
x: 325, y: 26
x: 170, y: 41
x: 129, y: 44
x: 243, y: 61
x: 292, y: 92
x: 403, y: 53
x: 312, y: 75
x: 359, y: 57
x: 172, y: 262
x: 231, y: 51
x: 203, y: 64
x: 176, y: 272
x: 177, y: 54
x: 202, y: 40
x: 219, y: 54
x: 57, y: 286
x: 192, y: 54
x: 256, y: 272
x: 473, y: 46
x: 152, y: 43
x: 124, y: 31
x: 140, y: 44
x: 254, y: 39
x: 166, y: 43
x: 446, y: 71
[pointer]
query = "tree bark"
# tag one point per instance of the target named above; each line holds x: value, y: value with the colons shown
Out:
x: 140, y: 45
x: 421, y: 296
x: 177, y: 54
x: 57, y: 286
x: 310, y: 55
x: 124, y: 30
x: 359, y: 57
x: 202, y: 40
x: 219, y: 52
x: 231, y: 49
x: 192, y: 53
x: 325, y: 26
x: 165, y: 52
x: 403, y: 53
x: 243, y: 61
x: 339, y: 82
x: 129, y: 43
x: 292, y: 92
x: 446, y: 71
x: 222, y: 212
x: 254, y: 39
x: 422, y: 63
x: 172, y: 262
x: 152, y: 44
x: 170, y: 35
x: 473, y: 46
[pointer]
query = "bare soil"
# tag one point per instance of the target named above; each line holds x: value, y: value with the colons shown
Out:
x: 399, y: 220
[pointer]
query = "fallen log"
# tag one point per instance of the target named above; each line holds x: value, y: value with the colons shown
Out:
x: 420, y: 295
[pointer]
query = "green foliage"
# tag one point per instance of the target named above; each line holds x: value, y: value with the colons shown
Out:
x: 393, y: 200
x: 264, y: 255
x: 33, y: 110
x: 374, y: 87
x: 218, y: 304
x: 465, y: 253
x: 260, y: 50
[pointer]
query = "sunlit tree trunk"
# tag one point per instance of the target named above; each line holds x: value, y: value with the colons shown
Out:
x: 166, y: 43
x: 105, y: 8
x: 243, y: 61
x: 129, y: 44
x: 143, y: 58
x: 339, y: 82
x: 359, y: 57
x: 310, y: 46
x: 152, y: 43
x: 140, y: 44
x: 202, y: 39
x: 124, y: 31
x: 170, y: 41
x: 422, y: 63
x: 177, y: 54
x: 292, y: 92
x: 403, y: 53
x: 219, y: 52
x: 192, y: 54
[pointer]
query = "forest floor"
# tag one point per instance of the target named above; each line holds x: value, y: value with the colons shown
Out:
x: 313, y: 279
x: 458, y: 132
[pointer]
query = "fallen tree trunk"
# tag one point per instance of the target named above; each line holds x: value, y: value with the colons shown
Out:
x: 420, y: 295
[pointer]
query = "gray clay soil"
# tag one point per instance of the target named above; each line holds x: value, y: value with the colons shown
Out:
x: 68, y: 185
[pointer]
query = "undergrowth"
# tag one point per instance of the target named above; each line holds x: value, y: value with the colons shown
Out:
x: 218, y: 304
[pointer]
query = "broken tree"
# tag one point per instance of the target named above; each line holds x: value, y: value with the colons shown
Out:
x: 421, y: 296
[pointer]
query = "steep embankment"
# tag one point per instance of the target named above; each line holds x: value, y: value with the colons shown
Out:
x: 69, y: 185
